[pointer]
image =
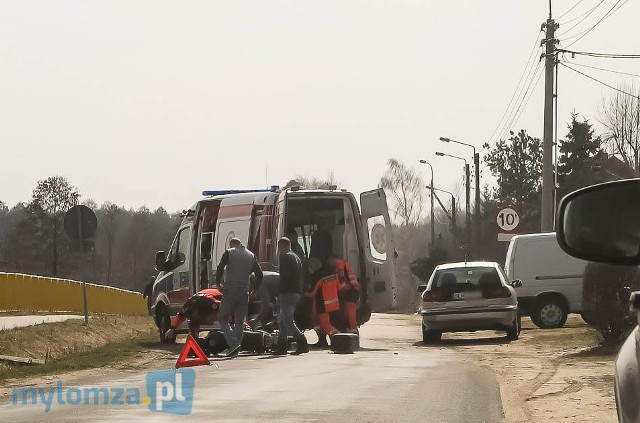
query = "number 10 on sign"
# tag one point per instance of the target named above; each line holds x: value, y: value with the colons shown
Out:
x: 508, y: 219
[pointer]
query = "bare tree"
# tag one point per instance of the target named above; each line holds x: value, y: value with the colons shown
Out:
x: 406, y: 190
x: 621, y: 117
x: 314, y: 182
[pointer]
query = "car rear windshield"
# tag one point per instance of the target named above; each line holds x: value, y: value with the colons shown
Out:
x: 466, y: 277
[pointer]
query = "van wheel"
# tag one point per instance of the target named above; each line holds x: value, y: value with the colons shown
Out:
x: 513, y: 333
x: 549, y: 313
x: 430, y: 335
x: 164, y: 324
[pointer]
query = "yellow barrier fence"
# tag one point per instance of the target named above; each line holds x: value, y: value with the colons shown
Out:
x: 37, y: 293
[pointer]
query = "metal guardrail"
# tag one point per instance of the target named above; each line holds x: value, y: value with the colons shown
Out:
x: 36, y: 293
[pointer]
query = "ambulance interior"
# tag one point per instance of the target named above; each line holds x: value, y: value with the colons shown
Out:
x: 309, y: 216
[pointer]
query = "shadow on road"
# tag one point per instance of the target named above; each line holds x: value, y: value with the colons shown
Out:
x: 157, y: 346
x: 468, y: 342
x: 372, y: 349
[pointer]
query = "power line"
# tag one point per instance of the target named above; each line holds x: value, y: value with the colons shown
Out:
x: 600, y: 55
x: 602, y: 69
x: 586, y: 15
x: 565, y: 13
x: 588, y: 12
x: 586, y: 31
x: 598, y: 81
x: 517, y: 89
x: 608, y: 14
x: 524, y: 102
x: 531, y: 76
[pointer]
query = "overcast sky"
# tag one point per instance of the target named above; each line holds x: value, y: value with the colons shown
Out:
x: 150, y: 102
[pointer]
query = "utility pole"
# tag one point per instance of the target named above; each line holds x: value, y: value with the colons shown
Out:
x: 476, y: 162
x: 453, y: 223
x: 468, y: 207
x: 433, y: 222
x: 548, y: 185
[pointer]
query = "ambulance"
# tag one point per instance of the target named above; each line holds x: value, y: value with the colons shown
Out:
x: 362, y: 235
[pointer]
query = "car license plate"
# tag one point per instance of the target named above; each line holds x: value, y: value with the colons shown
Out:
x: 471, y: 295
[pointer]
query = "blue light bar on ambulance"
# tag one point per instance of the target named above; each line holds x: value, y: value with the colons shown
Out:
x: 273, y: 188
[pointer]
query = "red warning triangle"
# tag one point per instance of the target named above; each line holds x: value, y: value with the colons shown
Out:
x: 191, y: 345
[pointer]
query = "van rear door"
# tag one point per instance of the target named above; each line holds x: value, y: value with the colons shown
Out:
x: 379, y: 250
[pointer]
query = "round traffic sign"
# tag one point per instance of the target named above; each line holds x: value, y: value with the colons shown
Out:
x: 80, y: 222
x: 508, y: 219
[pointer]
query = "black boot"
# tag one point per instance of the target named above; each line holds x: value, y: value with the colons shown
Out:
x: 322, y: 341
x: 281, y: 348
x: 302, y: 346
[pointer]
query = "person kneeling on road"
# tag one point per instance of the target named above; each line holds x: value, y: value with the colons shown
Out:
x: 325, y: 296
x: 349, y: 293
x: 316, y: 271
x: 200, y: 309
x: 289, y: 288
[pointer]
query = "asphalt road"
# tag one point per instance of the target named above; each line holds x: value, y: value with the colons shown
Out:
x: 10, y: 322
x: 393, y: 378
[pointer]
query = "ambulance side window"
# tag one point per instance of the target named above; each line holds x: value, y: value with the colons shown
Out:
x: 173, y: 250
x: 182, y: 251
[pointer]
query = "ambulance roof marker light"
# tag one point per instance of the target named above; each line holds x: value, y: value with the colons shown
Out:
x: 344, y: 189
x: 333, y: 187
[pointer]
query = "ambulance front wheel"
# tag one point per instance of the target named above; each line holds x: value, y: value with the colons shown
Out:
x: 164, y: 324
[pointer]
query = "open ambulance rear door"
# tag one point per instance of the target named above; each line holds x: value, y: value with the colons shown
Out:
x: 379, y: 250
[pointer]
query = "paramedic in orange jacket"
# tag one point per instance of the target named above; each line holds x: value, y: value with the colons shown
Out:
x: 324, y: 295
x: 349, y: 290
x: 200, y: 309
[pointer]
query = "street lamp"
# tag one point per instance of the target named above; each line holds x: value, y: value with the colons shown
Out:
x: 476, y: 162
x: 453, y: 213
x: 467, y: 193
x: 433, y: 227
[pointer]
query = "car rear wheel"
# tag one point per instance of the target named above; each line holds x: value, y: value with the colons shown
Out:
x: 164, y: 324
x: 513, y: 333
x: 549, y: 313
x: 430, y: 335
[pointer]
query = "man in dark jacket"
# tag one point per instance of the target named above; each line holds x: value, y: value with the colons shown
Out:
x: 290, y: 288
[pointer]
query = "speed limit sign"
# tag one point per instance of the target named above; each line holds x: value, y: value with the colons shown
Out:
x: 508, y: 219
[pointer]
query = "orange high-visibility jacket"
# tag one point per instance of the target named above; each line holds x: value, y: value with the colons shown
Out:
x: 346, y: 275
x: 328, y: 286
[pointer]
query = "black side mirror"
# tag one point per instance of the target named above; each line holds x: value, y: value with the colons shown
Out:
x: 161, y: 261
x: 422, y: 287
x: 600, y: 223
x: 634, y: 302
x: 517, y: 283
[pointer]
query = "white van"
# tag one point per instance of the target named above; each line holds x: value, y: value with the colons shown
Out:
x: 551, y: 279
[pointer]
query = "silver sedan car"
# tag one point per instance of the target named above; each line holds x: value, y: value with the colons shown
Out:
x: 466, y: 297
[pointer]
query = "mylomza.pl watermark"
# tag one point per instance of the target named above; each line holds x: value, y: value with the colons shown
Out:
x: 169, y: 391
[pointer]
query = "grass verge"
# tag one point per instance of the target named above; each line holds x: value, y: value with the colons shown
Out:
x: 95, y: 358
x: 69, y: 345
